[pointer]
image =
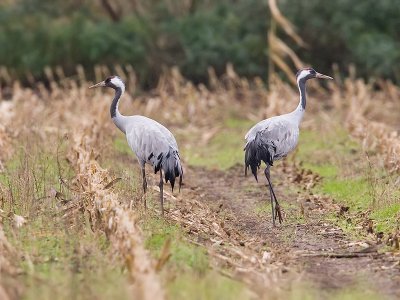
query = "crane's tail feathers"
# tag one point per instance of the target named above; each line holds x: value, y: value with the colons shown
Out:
x: 171, y: 165
x: 256, y: 152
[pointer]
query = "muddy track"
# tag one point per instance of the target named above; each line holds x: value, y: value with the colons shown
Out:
x: 312, y: 246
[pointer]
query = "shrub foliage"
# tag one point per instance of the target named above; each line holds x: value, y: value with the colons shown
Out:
x: 39, y: 33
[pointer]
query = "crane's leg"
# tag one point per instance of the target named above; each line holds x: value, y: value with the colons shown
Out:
x: 144, y: 185
x: 144, y: 180
x: 161, y: 193
x: 270, y: 193
x: 277, y: 211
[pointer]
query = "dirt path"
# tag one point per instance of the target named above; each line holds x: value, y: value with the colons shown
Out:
x: 312, y: 246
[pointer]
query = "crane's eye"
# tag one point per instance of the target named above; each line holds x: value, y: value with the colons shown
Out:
x: 312, y: 72
x: 107, y: 80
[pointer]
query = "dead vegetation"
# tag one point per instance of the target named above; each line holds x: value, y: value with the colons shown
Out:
x: 7, y: 268
x: 370, y: 115
x: 69, y: 112
x: 5, y: 141
x: 234, y: 253
x: 93, y: 189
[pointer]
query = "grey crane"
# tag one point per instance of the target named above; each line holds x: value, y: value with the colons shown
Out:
x: 274, y: 138
x: 149, y: 140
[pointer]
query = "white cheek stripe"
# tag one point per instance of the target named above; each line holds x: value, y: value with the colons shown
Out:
x: 118, y: 83
x: 303, y: 74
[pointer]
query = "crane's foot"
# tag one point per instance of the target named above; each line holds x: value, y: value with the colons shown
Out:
x: 278, y: 213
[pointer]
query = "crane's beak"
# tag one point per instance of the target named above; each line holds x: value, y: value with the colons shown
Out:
x: 322, y: 76
x: 102, y: 83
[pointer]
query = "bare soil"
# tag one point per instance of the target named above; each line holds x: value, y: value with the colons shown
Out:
x: 307, y: 241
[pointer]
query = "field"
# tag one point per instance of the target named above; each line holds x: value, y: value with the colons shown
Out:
x: 73, y: 224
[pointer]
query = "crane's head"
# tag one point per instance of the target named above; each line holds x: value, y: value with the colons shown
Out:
x: 113, y: 82
x: 310, y: 73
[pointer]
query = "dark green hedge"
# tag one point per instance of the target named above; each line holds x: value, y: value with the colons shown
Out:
x: 364, y: 33
x: 35, y: 34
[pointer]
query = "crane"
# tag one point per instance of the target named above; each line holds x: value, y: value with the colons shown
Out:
x: 149, y: 140
x: 274, y: 138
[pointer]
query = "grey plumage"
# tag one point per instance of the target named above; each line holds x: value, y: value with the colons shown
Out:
x: 274, y: 138
x: 155, y: 145
x: 149, y: 140
x: 270, y: 140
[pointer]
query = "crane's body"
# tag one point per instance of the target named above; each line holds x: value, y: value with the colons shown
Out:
x: 151, y: 142
x: 279, y: 134
x: 274, y: 138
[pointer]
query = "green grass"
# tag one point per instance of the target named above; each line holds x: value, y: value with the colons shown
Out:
x: 188, y: 272
x: 121, y: 145
x: 60, y: 258
x: 224, y: 150
x: 387, y: 218
x: 347, y: 176
x: 63, y: 264
x: 326, y: 170
x: 183, y: 254
x: 352, y: 192
x: 29, y: 176
x: 211, y: 286
x: 318, y: 147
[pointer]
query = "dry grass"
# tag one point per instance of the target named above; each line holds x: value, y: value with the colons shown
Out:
x: 5, y: 145
x: 93, y: 186
x: 7, y: 268
x: 79, y: 117
x: 371, y: 117
x: 255, y: 266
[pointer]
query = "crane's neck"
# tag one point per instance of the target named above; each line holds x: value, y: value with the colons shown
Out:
x: 118, y: 119
x: 301, y: 108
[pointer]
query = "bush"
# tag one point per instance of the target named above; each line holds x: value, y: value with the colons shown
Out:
x: 35, y: 34
x: 363, y: 33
